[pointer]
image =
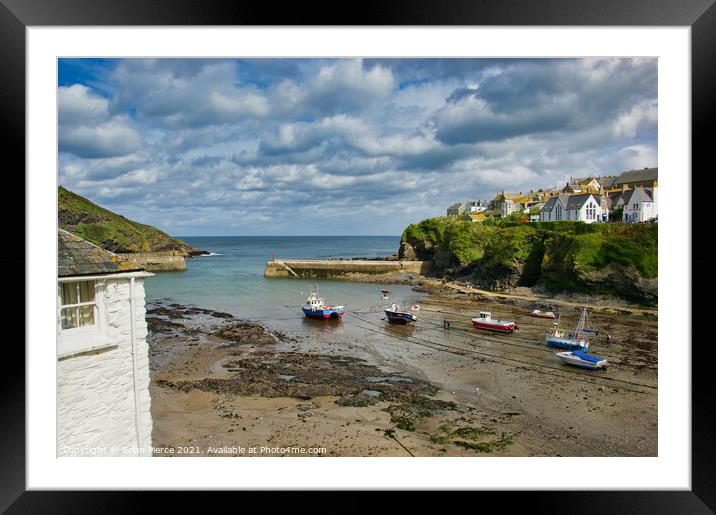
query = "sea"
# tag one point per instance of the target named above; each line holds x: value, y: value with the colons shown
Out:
x: 230, y: 278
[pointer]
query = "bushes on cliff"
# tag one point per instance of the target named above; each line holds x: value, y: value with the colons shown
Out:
x: 466, y: 242
x: 560, y: 254
x: 430, y: 230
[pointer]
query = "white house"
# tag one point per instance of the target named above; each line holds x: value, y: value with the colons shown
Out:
x: 475, y: 206
x: 584, y: 207
x: 103, y: 403
x: 639, y: 205
x: 507, y: 207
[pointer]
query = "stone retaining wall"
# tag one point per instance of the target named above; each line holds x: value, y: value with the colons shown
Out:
x: 157, y: 261
x: 328, y: 269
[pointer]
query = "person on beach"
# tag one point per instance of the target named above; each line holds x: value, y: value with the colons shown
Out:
x: 609, y: 338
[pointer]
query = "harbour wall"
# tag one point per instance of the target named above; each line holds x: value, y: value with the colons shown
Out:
x: 157, y: 261
x: 337, y: 269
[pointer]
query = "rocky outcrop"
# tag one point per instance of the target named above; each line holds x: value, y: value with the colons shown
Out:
x: 626, y: 282
x: 566, y: 257
x: 407, y: 251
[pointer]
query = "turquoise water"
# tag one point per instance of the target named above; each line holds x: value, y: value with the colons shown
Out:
x: 231, y: 279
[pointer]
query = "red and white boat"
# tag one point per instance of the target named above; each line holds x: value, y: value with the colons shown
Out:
x: 485, y: 321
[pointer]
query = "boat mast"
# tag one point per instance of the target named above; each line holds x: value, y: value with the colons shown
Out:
x: 580, y: 325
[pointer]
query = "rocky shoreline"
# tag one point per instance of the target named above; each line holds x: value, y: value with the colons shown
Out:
x: 219, y: 380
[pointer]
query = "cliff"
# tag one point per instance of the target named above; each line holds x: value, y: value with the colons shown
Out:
x: 114, y: 232
x: 559, y: 257
x: 143, y: 244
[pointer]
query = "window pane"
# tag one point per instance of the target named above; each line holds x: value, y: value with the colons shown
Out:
x: 86, y: 314
x: 69, y: 318
x: 69, y: 293
x: 86, y: 291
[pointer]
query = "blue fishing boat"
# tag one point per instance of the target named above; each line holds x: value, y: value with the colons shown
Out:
x: 397, y: 316
x: 582, y: 359
x: 575, y: 341
x: 315, y: 307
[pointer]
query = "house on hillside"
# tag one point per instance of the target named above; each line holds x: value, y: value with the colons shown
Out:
x: 456, y: 209
x: 475, y: 206
x: 585, y: 207
x: 582, y: 185
x: 103, y: 402
x: 644, y: 178
x: 607, y: 183
x: 508, y: 203
x: 638, y: 205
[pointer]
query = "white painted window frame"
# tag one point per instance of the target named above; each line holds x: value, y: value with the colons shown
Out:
x: 78, y: 340
x: 71, y: 342
x: 94, y: 303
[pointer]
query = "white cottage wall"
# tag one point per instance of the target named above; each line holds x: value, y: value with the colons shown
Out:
x: 96, y: 409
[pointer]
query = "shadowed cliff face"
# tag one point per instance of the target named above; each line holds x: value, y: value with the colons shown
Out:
x: 561, y: 257
x: 114, y: 232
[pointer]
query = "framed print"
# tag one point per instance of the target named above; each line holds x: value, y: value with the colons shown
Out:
x: 332, y: 249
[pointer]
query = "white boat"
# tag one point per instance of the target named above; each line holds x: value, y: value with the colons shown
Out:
x: 582, y: 359
x: 543, y: 314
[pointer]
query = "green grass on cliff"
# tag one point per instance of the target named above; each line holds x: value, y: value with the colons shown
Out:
x: 625, y: 244
x: 109, y: 230
x: 559, y: 248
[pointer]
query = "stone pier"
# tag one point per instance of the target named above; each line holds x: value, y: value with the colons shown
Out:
x: 340, y: 268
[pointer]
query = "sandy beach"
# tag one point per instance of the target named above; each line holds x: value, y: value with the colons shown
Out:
x: 362, y: 387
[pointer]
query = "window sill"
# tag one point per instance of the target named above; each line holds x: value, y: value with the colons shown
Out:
x: 86, y: 341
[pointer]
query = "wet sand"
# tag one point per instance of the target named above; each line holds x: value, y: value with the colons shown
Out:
x: 363, y: 387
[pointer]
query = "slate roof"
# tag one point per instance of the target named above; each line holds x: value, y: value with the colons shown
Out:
x: 571, y: 202
x: 626, y: 196
x: 577, y: 201
x: 76, y: 256
x: 613, y: 198
x: 645, y: 195
x: 549, y: 204
x: 608, y: 181
x: 647, y: 174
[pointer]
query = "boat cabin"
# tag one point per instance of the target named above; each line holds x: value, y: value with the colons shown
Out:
x: 314, y: 302
x: 485, y: 315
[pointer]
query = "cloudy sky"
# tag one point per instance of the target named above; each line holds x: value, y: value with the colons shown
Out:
x: 341, y: 146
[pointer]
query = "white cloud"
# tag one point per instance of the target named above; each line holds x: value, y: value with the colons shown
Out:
x: 111, y: 138
x: 640, y: 117
x: 78, y: 104
x: 201, y: 144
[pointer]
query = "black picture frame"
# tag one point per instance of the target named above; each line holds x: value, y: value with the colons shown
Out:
x: 700, y: 15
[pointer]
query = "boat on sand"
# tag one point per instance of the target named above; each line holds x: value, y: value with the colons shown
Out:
x: 582, y: 359
x: 485, y: 321
x: 576, y: 340
x: 396, y: 315
x: 315, y: 307
x: 543, y: 314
